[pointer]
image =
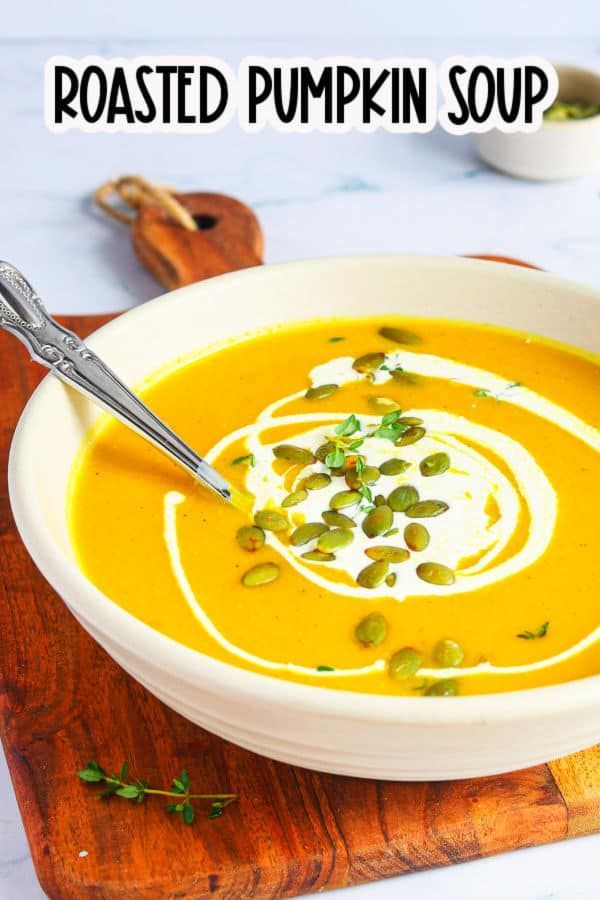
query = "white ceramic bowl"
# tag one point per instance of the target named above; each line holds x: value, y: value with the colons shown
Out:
x: 558, y: 150
x: 335, y: 731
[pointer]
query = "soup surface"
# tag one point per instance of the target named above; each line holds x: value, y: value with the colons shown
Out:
x: 425, y: 499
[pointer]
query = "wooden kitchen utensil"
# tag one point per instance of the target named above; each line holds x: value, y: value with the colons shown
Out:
x: 182, y: 238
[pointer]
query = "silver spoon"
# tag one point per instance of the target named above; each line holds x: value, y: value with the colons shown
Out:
x: 61, y: 351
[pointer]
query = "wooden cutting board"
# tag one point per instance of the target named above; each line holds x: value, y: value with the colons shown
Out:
x: 63, y: 701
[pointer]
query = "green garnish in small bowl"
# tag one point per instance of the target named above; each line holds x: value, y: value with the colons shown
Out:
x: 567, y: 110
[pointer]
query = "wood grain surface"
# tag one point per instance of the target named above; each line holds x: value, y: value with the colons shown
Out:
x: 63, y: 701
x: 229, y: 237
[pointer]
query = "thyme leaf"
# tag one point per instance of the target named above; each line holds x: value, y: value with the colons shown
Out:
x: 336, y: 459
x: 541, y: 632
x: 349, y: 426
x: 390, y: 432
x: 356, y: 444
x: 249, y: 458
x: 392, y: 417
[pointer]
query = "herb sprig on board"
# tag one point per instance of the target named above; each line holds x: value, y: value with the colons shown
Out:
x: 180, y: 794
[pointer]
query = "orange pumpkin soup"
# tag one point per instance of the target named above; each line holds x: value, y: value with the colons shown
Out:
x: 424, y: 508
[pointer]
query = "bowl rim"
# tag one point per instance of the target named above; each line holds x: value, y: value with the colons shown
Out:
x: 118, y: 626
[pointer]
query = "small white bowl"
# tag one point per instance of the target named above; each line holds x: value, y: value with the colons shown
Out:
x: 414, y: 738
x: 558, y: 150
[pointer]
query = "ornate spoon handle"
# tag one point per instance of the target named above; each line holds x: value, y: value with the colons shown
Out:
x: 61, y: 351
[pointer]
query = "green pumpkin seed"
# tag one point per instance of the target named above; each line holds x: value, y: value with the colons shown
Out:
x: 403, y: 497
x: 412, y: 434
x: 294, y: 498
x: 264, y: 573
x: 344, y: 499
x: 407, y: 378
x: 307, y: 532
x: 250, y: 538
x: 291, y: 453
x: 318, y: 556
x: 416, y: 536
x: 383, y: 405
x: 372, y: 630
x: 390, y: 554
x: 379, y: 500
x: 404, y: 663
x: 391, y: 579
x: 321, y: 391
x: 334, y: 540
x: 448, y: 687
x: 436, y: 464
x: 369, y: 362
x: 448, y: 654
x: 373, y: 575
x: 410, y: 420
x: 436, y: 573
x: 317, y: 481
x: 377, y: 521
x: 353, y: 479
x: 270, y: 520
x: 427, y: 509
x: 324, y: 450
x: 394, y: 466
x: 370, y: 474
x: 337, y: 519
x: 399, y: 335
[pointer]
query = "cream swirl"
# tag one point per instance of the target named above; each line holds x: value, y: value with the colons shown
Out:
x: 488, y: 501
x: 485, y: 505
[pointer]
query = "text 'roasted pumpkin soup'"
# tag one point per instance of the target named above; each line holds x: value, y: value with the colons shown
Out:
x: 424, y: 514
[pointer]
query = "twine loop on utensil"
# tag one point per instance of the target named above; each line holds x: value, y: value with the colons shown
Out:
x: 135, y: 192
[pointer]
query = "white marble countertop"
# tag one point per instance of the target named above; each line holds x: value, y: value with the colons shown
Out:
x: 315, y: 195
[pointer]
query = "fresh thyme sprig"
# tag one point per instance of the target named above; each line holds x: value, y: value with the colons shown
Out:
x: 349, y: 426
x: 337, y: 457
x: 391, y: 428
x: 137, y: 790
